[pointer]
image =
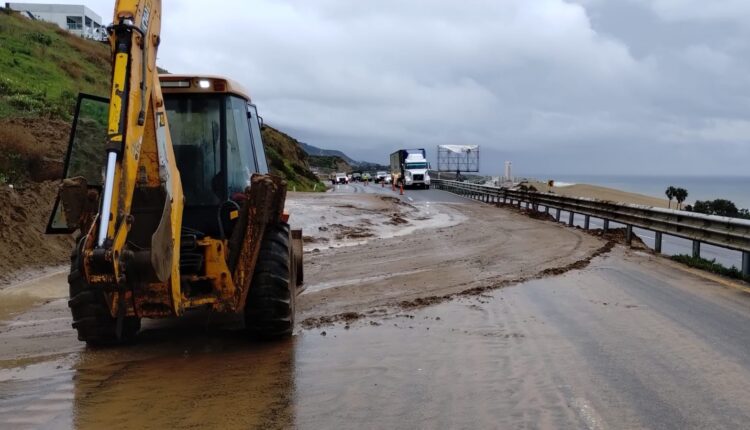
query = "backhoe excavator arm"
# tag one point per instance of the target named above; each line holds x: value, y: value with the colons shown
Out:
x: 142, y: 196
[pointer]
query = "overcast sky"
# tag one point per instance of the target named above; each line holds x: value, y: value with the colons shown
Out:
x: 587, y: 86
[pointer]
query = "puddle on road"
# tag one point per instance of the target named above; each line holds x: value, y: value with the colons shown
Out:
x: 461, y: 364
x: 21, y: 297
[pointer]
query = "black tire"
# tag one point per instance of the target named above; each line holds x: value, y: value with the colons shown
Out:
x: 91, y: 316
x: 269, y: 309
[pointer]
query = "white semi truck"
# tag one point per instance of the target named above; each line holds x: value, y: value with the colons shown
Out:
x: 410, y: 168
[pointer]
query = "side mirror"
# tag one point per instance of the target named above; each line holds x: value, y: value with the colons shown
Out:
x: 260, y: 120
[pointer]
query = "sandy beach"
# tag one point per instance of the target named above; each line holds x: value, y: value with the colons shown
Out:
x: 603, y: 193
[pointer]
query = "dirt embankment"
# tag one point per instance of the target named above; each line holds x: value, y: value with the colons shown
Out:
x: 23, y: 245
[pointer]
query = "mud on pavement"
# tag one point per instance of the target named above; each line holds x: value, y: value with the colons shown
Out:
x: 200, y: 372
x: 487, y: 249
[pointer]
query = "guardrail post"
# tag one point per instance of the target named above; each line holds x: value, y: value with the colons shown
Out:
x: 557, y: 216
x: 571, y: 219
x: 606, y: 225
x: 696, y: 249
x: 586, y: 222
x: 657, y: 242
x: 629, y: 235
x: 745, y: 263
x: 546, y: 210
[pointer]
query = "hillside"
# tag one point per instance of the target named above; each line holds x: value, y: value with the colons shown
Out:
x: 42, y: 69
x: 287, y: 159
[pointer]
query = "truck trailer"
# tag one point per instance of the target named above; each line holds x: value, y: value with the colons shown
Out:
x: 409, y: 168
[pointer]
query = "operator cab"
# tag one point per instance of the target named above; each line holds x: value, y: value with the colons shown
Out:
x: 215, y: 131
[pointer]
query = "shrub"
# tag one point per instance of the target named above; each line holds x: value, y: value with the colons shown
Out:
x: 41, y: 38
x: 26, y: 103
x: 6, y: 87
x: 711, y: 266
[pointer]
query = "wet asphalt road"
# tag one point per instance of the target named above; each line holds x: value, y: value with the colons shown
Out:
x: 631, y: 341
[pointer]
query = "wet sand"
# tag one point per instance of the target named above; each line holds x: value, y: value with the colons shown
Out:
x: 627, y: 341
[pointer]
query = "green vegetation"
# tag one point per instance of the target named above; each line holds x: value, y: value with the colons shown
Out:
x: 43, y: 68
x: 711, y: 266
x: 287, y: 159
x: 721, y: 207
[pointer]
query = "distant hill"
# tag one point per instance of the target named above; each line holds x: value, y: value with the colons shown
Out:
x: 323, y: 162
x: 314, y: 150
x: 329, y: 164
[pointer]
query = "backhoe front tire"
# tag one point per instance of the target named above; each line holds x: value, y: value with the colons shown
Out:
x: 91, y: 316
x: 269, y: 309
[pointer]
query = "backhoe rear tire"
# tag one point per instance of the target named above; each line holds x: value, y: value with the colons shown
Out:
x: 269, y: 310
x: 91, y: 316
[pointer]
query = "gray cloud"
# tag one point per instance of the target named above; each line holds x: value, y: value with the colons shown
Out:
x: 589, y: 86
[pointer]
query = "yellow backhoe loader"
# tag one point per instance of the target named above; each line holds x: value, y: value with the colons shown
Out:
x: 167, y: 184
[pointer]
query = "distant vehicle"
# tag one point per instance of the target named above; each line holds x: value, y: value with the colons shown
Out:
x: 366, y: 177
x: 380, y: 176
x: 387, y: 179
x: 409, y: 167
x: 341, y: 178
x: 356, y: 176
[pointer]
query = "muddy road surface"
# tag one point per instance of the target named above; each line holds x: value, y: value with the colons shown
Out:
x: 458, y: 315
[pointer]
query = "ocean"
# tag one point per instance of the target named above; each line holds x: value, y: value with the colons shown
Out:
x: 734, y: 188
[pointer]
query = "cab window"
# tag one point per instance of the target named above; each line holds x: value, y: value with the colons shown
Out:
x: 260, y: 153
x: 241, y: 162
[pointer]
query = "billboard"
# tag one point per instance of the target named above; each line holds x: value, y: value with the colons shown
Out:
x: 461, y: 158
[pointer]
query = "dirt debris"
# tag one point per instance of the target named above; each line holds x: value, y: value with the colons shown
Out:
x: 345, y: 317
x: 479, y: 291
x: 23, y: 245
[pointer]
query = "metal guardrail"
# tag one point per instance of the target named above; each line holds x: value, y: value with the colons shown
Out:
x: 725, y: 232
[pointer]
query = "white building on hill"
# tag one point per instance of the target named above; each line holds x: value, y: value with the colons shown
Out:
x: 77, y: 19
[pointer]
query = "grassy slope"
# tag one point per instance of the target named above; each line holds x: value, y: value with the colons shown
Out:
x: 287, y: 159
x: 42, y: 68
